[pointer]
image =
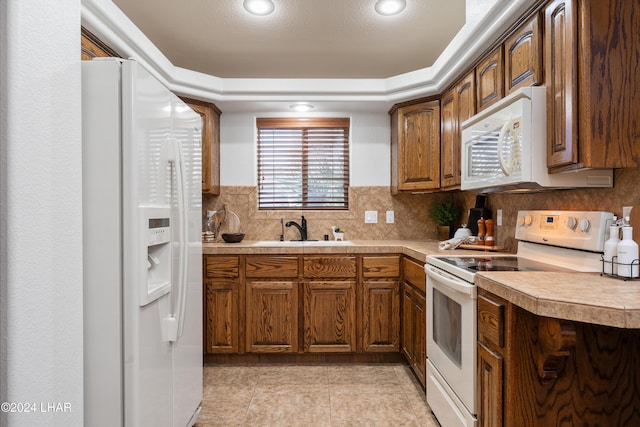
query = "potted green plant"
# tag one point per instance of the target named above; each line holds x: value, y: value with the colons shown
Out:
x: 444, y: 214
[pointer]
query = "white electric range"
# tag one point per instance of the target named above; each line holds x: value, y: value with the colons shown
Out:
x: 547, y: 241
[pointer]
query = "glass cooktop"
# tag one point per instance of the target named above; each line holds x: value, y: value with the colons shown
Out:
x: 498, y: 263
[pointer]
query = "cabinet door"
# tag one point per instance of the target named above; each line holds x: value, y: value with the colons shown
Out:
x: 272, y: 317
x: 329, y: 316
x: 523, y: 56
x: 380, y: 316
x: 221, y: 317
x: 449, y: 142
x: 466, y: 108
x: 490, y: 79
x: 407, y: 322
x: 490, y: 382
x: 419, y: 364
x: 210, y: 144
x: 560, y: 60
x: 418, y: 146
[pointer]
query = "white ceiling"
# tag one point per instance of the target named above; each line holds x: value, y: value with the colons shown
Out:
x: 301, y: 39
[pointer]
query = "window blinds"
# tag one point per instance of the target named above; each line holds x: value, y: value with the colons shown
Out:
x: 303, y: 163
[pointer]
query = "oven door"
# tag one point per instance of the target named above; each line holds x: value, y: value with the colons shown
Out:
x: 451, y: 333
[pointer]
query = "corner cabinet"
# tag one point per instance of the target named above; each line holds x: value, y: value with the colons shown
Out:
x: 592, y: 70
x: 210, y: 144
x: 415, y: 147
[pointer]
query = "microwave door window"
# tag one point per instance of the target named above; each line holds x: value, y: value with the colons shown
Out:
x: 483, y: 154
x: 447, y: 326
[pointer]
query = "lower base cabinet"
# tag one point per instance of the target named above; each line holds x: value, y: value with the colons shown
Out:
x: 380, y: 313
x: 272, y: 317
x: 329, y: 316
x: 221, y: 317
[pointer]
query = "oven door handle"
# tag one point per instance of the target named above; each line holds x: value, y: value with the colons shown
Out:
x: 451, y: 282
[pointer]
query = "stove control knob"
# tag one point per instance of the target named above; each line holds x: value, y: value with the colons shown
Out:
x: 572, y: 222
x: 585, y: 225
x: 520, y: 221
x: 528, y: 220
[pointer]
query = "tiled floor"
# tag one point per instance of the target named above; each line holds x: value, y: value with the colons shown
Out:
x: 318, y: 395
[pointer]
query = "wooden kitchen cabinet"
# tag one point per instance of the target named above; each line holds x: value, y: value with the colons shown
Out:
x: 415, y: 147
x: 414, y: 317
x: 271, y: 304
x: 490, y: 79
x: 329, y: 305
x: 523, y: 56
x: 379, y: 323
x: 221, y: 304
x: 548, y: 371
x: 210, y: 115
x: 592, y: 65
x: 456, y: 106
x: 491, y: 348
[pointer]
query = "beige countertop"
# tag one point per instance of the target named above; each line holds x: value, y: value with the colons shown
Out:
x: 581, y: 297
x: 418, y: 249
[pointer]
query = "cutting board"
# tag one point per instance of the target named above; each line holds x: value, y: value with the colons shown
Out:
x: 483, y: 248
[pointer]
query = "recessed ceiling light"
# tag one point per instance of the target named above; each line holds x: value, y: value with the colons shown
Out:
x: 301, y: 107
x: 259, y: 7
x: 390, y: 7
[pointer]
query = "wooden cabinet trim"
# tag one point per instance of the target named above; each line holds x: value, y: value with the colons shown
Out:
x: 414, y: 274
x: 491, y: 321
x: 221, y: 267
x: 318, y: 266
x: 381, y: 266
x: 271, y: 266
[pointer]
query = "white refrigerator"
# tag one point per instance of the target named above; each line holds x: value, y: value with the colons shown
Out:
x: 142, y: 207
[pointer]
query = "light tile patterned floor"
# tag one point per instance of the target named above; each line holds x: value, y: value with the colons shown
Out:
x: 319, y: 395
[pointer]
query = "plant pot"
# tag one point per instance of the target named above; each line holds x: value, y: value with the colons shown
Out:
x: 444, y: 231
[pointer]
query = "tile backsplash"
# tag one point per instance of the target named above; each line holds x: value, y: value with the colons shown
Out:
x: 411, y: 210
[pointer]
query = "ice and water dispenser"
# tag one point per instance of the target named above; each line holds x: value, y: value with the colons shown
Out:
x: 156, y: 231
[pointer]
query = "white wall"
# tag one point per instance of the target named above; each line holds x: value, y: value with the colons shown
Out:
x: 40, y: 211
x: 369, y: 149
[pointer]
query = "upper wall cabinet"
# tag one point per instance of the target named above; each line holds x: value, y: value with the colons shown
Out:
x: 490, y: 79
x: 415, y: 147
x: 210, y: 144
x: 523, y: 56
x: 592, y: 70
x: 456, y: 106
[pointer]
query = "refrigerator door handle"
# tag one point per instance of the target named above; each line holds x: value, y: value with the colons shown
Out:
x: 183, y: 227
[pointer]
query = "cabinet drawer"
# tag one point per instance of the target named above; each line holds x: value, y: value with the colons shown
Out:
x: 272, y: 266
x: 491, y: 321
x: 381, y: 266
x: 414, y: 273
x: 221, y: 267
x: 327, y: 266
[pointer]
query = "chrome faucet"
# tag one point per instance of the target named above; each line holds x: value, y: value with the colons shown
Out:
x: 301, y: 228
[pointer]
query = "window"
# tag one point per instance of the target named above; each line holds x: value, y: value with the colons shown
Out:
x: 303, y: 163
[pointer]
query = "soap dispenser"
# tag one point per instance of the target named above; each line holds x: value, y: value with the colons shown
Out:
x: 611, y: 249
x: 627, y: 252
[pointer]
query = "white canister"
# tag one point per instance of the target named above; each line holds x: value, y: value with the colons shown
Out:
x: 611, y: 250
x: 627, y: 254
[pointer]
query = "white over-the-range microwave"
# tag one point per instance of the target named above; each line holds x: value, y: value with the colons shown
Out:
x: 504, y: 148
